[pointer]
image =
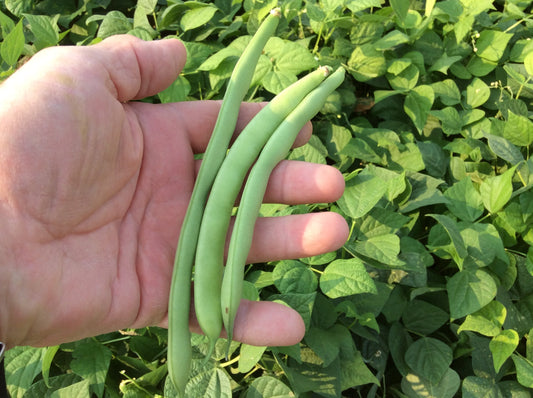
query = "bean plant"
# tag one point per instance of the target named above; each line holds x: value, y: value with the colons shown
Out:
x: 432, y: 294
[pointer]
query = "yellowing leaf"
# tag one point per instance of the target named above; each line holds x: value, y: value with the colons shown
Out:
x: 502, y: 346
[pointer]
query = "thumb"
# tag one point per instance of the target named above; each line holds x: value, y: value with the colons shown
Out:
x: 140, y: 68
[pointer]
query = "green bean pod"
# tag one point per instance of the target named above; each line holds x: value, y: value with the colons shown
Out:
x: 179, y: 337
x: 209, y: 263
x: 275, y: 150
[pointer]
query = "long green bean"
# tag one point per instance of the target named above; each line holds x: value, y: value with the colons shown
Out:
x: 274, y: 151
x: 209, y: 262
x: 179, y: 340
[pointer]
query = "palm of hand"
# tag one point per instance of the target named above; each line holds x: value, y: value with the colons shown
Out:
x: 96, y: 188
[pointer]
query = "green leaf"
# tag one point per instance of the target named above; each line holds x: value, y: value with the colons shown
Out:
x: 114, y: 23
x: 78, y: 390
x: 197, y: 16
x: 504, y: 149
x: 379, y: 222
x: 383, y: 248
x: 361, y: 194
x: 147, y: 6
x: 311, y: 375
x: 444, y: 62
x: 491, y: 44
x: 45, y: 30
x: 276, y: 81
x: 416, y: 387
x: 47, y: 363
x: 502, y: 346
x: 291, y: 276
x: 22, y: 364
x: 418, y: 103
x: 451, y: 228
x: 469, y: 291
x: 355, y: 372
x: 397, y: 66
x: 268, y: 386
x: 528, y: 63
x: 313, y: 152
x: 401, y: 8
x: 399, y: 340
x: 405, y: 80
x: 424, y: 192
x: 6, y: 24
x: 360, y: 5
x: 429, y: 358
x: 18, y: 7
x: 326, y: 343
x: 464, y: 200
x: 478, y: 66
x: 477, y: 93
x: 497, y: 190
x: 390, y: 40
x: 484, y: 245
x: 207, y: 380
x: 447, y: 91
x: 423, y: 318
x: 346, y: 277
x: 13, y: 45
x: 488, y: 321
x: 249, y: 356
x: 233, y: 51
x: 176, y: 92
x: 524, y: 370
x: 91, y: 361
x: 475, y: 387
x: 289, y: 57
x: 39, y: 389
x: 366, y: 63
x: 518, y: 129
x: 452, y: 122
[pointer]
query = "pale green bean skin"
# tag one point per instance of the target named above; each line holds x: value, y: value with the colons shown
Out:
x: 275, y: 150
x: 179, y: 336
x: 209, y: 263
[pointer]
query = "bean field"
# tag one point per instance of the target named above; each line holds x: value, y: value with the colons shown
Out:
x: 432, y: 128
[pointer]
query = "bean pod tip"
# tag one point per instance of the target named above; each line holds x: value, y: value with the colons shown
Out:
x: 276, y: 12
x: 326, y: 70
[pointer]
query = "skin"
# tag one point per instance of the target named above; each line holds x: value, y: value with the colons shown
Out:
x: 94, y: 188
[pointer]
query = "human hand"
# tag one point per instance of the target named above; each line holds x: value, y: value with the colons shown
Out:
x: 94, y: 188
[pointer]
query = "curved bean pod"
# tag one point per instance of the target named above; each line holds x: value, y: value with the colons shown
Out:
x: 179, y: 336
x: 275, y: 150
x: 209, y: 263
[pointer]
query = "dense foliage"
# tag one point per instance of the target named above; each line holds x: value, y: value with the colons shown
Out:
x: 432, y: 295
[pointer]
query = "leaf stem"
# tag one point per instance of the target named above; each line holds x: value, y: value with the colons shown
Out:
x: 522, y: 87
x: 315, y: 49
x: 230, y: 362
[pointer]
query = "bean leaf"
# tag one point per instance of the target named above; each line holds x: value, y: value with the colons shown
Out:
x: 502, y: 346
x: 469, y: 291
x: 418, y: 104
x: 524, y: 370
x: 361, y: 194
x: 346, y: 277
x: 429, y: 358
x: 268, y: 386
x: 497, y: 190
